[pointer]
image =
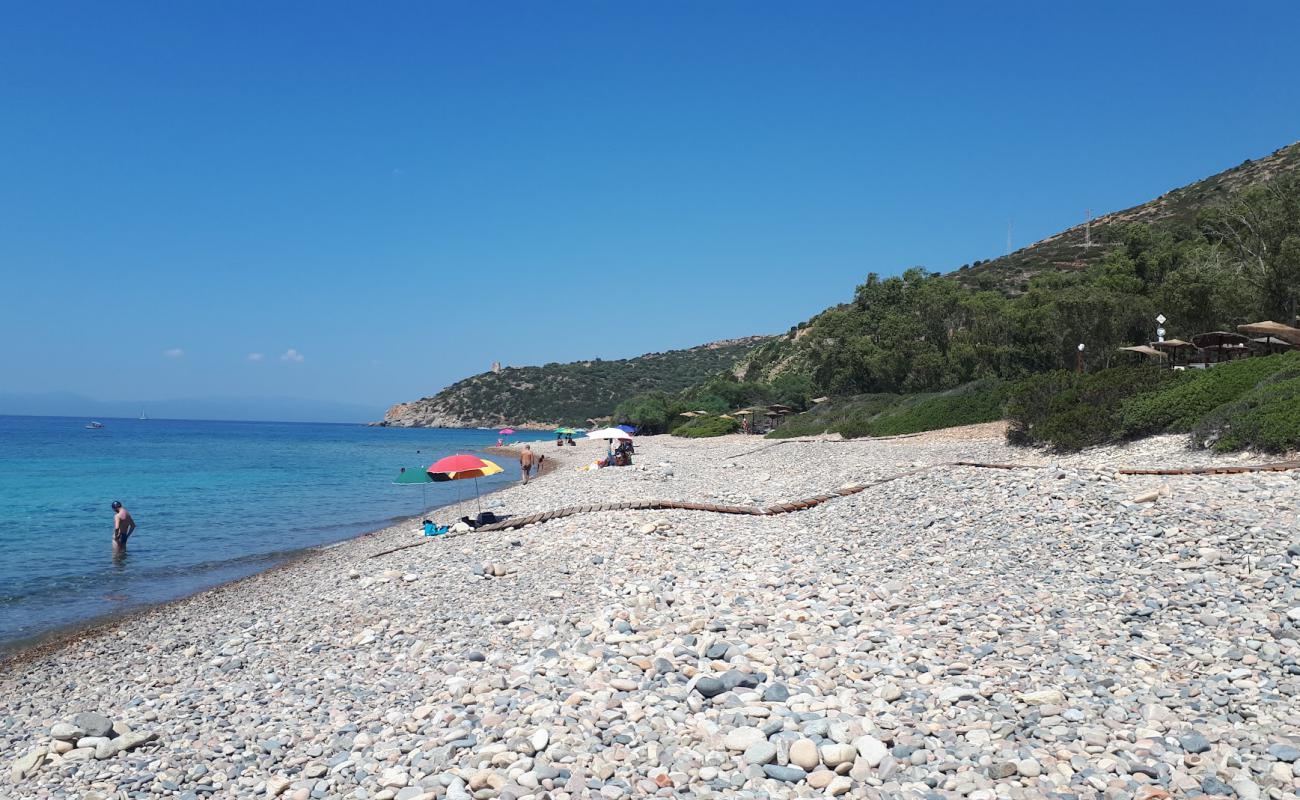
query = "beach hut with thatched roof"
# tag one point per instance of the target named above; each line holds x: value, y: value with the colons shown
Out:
x: 1180, y: 353
x: 1219, y: 346
x: 1270, y: 330
x: 1146, y: 351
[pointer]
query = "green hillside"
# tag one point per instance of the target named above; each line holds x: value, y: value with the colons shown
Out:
x: 1209, y: 256
x: 567, y: 393
x: 904, y: 353
x: 922, y: 350
x: 1069, y: 250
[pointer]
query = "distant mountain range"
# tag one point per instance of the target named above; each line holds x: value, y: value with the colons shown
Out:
x: 267, y: 409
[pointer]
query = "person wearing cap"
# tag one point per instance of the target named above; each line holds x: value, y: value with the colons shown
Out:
x: 123, y: 526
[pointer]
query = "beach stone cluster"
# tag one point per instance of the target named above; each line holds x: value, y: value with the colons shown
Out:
x: 950, y: 633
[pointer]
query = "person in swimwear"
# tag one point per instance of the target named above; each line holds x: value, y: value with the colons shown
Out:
x: 123, y: 526
x: 526, y: 462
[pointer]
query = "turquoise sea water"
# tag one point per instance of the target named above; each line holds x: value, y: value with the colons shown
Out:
x: 213, y: 501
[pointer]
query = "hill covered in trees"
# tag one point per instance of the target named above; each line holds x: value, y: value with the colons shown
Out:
x: 1209, y: 256
x: 568, y: 394
x: 1079, y: 247
x: 921, y: 348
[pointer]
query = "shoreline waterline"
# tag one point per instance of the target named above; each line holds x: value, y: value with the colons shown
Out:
x: 362, y: 666
x: 214, y: 502
x: 18, y: 651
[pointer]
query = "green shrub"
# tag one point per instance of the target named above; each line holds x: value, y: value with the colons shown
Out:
x: 1253, y: 403
x: 834, y: 416
x: 1265, y: 418
x: 1029, y: 402
x: 1069, y: 412
x: 892, y: 414
x: 704, y: 427
x: 972, y: 404
x: 1182, y: 404
x: 653, y: 412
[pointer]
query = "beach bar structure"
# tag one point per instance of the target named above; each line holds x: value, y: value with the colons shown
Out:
x: 1216, y: 347
x: 1179, y: 353
x: 1146, y: 351
x: 1272, y: 337
x: 1219, y: 346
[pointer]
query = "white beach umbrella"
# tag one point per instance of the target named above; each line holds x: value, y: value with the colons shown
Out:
x: 609, y: 433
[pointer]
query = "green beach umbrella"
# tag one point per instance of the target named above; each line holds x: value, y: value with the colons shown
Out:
x: 410, y: 477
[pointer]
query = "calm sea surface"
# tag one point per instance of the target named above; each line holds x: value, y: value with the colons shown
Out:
x: 213, y: 501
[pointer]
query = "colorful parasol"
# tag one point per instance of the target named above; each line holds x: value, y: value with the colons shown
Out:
x: 461, y: 467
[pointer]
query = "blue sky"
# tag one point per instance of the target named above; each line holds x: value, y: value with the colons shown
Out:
x: 380, y: 199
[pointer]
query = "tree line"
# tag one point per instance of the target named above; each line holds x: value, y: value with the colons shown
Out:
x: 924, y: 332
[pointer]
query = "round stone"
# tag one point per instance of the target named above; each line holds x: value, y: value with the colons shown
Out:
x: 803, y: 754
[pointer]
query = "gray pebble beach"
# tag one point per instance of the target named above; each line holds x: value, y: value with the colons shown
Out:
x: 1059, y: 630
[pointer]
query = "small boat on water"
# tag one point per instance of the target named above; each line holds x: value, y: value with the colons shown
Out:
x: 94, y: 426
x: 143, y: 415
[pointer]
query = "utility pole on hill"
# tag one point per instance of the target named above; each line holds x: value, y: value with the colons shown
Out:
x: 1087, y: 231
x: 1010, y: 222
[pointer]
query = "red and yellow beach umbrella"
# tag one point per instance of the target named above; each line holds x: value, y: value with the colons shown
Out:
x: 461, y: 467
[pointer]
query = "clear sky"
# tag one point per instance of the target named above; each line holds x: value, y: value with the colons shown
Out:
x: 369, y: 201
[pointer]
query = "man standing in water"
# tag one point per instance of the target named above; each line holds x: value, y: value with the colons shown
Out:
x: 123, y: 526
x: 526, y: 462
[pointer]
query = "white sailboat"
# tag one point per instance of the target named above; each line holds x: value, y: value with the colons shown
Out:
x: 143, y: 415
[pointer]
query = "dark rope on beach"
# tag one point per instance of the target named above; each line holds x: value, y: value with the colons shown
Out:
x: 714, y: 508
x: 808, y: 502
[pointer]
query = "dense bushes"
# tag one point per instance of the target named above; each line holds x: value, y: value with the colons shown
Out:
x: 1071, y: 412
x: 1248, y: 404
x: 660, y: 412
x: 892, y: 415
x: 1185, y: 403
x: 1029, y: 405
x: 702, y: 427
x: 1267, y: 417
x: 973, y: 404
x: 653, y: 412
x: 834, y: 416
